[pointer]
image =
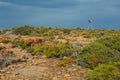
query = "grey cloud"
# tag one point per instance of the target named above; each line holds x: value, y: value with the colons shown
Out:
x: 44, y: 3
x: 60, y: 12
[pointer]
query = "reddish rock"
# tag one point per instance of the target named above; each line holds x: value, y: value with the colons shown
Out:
x: 48, y: 43
x: 5, y: 52
x: 10, y: 45
x: 5, y: 37
x: 32, y: 41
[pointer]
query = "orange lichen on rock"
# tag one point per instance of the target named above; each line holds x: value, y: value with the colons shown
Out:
x: 32, y: 41
x: 5, y: 52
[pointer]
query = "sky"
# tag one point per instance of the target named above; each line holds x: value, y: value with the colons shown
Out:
x: 60, y: 13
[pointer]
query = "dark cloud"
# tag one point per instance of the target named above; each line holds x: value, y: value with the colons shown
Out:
x: 44, y: 3
x: 60, y: 13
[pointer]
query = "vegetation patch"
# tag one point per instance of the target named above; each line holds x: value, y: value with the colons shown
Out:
x: 100, y: 51
x: 5, y: 41
x: 110, y: 71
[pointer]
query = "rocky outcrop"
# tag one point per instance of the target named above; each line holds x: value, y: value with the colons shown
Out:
x: 7, y: 58
x: 32, y: 41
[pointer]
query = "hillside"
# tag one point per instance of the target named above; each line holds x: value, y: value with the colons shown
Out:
x: 40, y: 53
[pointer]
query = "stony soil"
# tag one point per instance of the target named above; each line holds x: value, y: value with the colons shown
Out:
x: 22, y: 66
x: 42, y: 69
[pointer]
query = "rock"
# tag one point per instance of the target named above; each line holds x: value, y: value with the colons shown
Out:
x: 43, y: 56
x: 64, y: 57
x: 49, y: 43
x: 37, y: 41
x: 66, y: 75
x: 75, y: 69
x: 8, y: 72
x: 55, y: 78
x: 69, y: 69
x: 32, y: 41
x: 10, y: 45
x: 33, y: 72
x: 7, y: 58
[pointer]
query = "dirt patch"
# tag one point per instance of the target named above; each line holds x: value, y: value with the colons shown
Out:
x: 33, y: 72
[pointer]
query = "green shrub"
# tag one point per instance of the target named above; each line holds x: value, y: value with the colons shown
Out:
x: 110, y: 71
x: 66, y: 61
x: 42, y: 31
x: 61, y: 64
x: 29, y: 49
x: 23, y: 30
x: 111, y: 42
x: 2, y: 47
x: 39, y: 50
x: 100, y: 51
x: 5, y: 41
x: 66, y: 31
x: 94, y: 51
x: 57, y: 51
x: 20, y: 43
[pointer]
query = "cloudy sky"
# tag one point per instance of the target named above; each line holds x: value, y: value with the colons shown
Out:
x: 60, y: 13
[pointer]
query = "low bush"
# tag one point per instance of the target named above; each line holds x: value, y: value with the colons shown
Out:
x: 100, y: 51
x: 20, y: 43
x: 111, y: 42
x: 110, y: 71
x: 59, y: 51
x: 66, y: 61
x: 39, y: 50
x: 5, y: 41
x: 23, y: 30
x: 56, y: 51
x: 29, y: 49
x: 2, y: 47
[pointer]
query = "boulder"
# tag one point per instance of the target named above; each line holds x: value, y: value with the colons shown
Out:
x: 7, y: 58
